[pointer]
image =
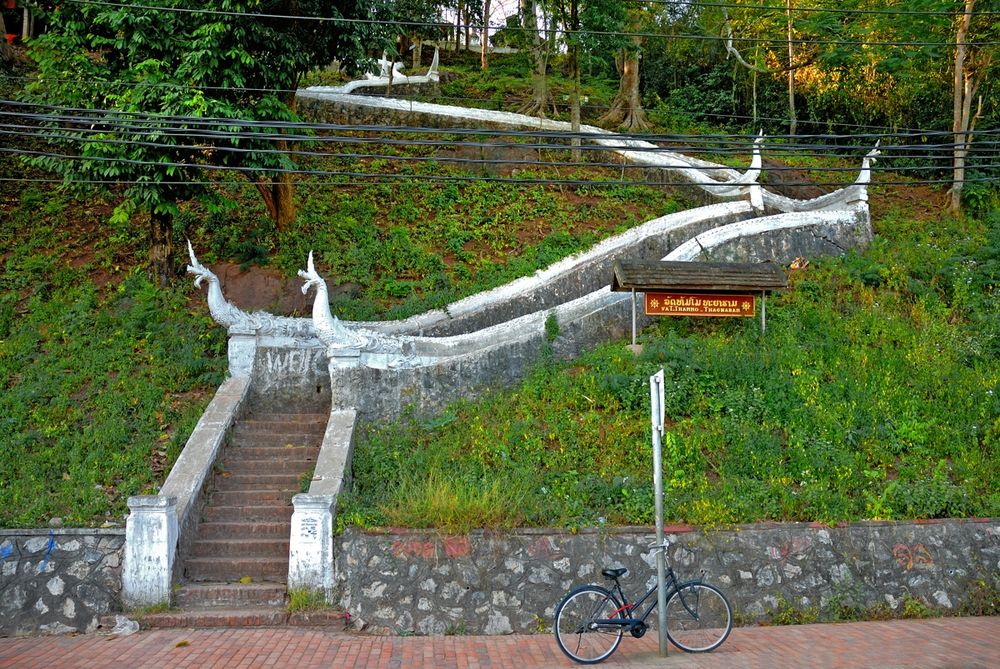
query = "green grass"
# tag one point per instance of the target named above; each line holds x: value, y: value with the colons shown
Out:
x: 874, y: 394
x: 411, y: 245
x: 104, y: 376
x: 101, y: 385
x: 304, y: 600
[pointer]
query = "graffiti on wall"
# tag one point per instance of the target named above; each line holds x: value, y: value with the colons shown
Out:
x: 909, y: 557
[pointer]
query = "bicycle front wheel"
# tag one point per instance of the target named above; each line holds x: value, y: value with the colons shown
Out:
x: 578, y: 632
x: 699, y: 617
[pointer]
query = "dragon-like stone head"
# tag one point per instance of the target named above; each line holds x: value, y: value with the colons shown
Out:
x: 200, y: 271
x: 311, y: 276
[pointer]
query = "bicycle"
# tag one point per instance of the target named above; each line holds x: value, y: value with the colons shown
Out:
x: 591, y: 620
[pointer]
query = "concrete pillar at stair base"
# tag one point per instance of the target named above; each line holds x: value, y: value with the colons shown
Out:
x: 150, y: 548
x: 345, y: 367
x: 242, y: 352
x: 310, y: 551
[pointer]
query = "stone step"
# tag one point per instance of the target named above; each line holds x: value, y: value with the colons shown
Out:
x: 239, y: 547
x: 227, y: 482
x: 313, y: 431
x: 229, y: 595
x: 257, y: 569
x: 265, y: 451
x: 240, y: 467
x: 251, y: 498
x: 243, y: 530
x: 305, y: 421
x: 242, y: 435
x: 332, y: 620
x: 236, y: 514
x: 220, y: 617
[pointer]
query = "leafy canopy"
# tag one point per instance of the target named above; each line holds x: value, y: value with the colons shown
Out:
x: 143, y: 94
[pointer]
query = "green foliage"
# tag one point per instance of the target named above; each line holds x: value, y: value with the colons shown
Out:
x: 173, y: 75
x: 913, y: 607
x: 783, y: 613
x: 418, y: 245
x: 551, y: 327
x: 982, y: 598
x: 872, y: 395
x: 102, y: 385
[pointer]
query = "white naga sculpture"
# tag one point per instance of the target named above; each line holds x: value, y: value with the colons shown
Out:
x: 375, y: 348
x: 389, y: 73
x: 237, y: 320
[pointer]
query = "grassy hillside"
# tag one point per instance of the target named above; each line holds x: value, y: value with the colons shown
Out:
x: 873, y: 394
x: 103, y: 376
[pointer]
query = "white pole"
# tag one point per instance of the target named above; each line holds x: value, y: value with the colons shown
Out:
x: 657, y: 413
x: 633, y: 317
x: 763, y: 312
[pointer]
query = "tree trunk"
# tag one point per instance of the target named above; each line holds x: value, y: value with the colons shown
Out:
x: 418, y: 48
x: 6, y: 50
x: 484, y: 49
x: 278, y: 194
x: 962, y: 122
x: 468, y: 28
x: 541, y: 98
x: 574, y: 105
x: 626, y: 109
x: 792, y: 121
x: 161, y: 249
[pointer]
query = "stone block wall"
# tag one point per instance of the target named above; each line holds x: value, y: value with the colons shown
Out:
x: 57, y: 581
x: 487, y: 583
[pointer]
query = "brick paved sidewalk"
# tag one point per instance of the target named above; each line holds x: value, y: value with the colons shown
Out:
x: 952, y: 643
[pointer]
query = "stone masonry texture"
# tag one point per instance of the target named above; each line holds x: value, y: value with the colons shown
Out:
x: 485, y: 583
x: 58, y: 581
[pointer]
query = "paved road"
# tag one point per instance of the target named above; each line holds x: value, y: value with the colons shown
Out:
x: 941, y: 643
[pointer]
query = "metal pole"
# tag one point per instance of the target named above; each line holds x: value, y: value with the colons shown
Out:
x: 633, y: 317
x: 657, y: 411
x: 763, y: 312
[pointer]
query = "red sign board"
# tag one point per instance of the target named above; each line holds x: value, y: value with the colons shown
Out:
x: 697, y: 304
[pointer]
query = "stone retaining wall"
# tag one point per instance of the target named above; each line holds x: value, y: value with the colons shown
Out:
x: 421, y: 582
x: 57, y: 581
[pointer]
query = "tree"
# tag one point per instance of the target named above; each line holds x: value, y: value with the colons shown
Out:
x: 587, y: 24
x: 626, y: 109
x: 173, y: 88
x: 421, y: 20
x: 971, y: 68
x: 6, y: 50
x: 794, y: 61
x: 541, y: 101
x: 484, y: 41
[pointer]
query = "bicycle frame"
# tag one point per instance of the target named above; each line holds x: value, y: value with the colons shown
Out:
x: 672, y: 586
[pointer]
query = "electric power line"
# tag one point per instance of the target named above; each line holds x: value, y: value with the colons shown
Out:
x: 486, y: 102
x: 102, y: 117
x: 603, y: 33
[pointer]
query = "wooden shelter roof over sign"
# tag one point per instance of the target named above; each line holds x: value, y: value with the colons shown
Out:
x: 698, y: 276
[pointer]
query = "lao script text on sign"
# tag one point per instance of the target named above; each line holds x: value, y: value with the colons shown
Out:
x: 699, y: 304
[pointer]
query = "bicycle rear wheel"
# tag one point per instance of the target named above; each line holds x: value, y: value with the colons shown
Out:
x: 578, y: 634
x: 699, y: 617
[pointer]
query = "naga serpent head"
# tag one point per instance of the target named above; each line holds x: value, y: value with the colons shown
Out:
x: 311, y: 276
x: 200, y: 271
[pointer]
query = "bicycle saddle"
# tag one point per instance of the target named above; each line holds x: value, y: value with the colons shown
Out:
x: 615, y: 573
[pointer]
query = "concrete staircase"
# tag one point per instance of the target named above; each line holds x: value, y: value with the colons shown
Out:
x: 236, y: 571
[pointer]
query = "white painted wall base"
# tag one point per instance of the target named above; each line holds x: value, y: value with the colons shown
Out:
x: 310, y: 552
x: 150, y: 547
